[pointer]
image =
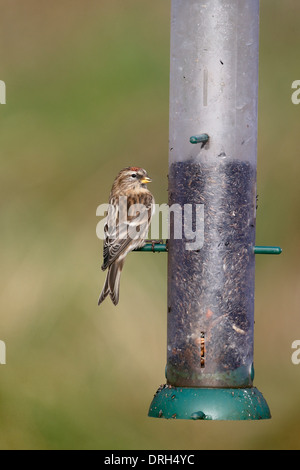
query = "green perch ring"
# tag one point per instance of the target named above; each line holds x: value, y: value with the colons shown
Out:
x: 209, y: 404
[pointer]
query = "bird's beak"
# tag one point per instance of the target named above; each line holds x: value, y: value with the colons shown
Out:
x: 146, y: 179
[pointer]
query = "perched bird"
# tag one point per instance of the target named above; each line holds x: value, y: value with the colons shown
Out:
x: 130, y: 209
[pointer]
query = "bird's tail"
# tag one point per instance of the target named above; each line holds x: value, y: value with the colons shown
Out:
x: 112, y: 283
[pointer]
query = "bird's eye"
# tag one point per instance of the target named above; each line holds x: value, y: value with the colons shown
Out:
x: 133, y: 175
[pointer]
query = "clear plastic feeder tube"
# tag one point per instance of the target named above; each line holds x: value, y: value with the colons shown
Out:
x: 213, y: 90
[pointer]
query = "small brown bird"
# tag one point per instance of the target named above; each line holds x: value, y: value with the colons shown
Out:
x: 131, y: 206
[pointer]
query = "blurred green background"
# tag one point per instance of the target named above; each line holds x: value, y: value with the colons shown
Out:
x: 87, y: 94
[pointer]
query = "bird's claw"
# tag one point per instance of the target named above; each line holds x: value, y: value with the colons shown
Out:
x: 153, y: 243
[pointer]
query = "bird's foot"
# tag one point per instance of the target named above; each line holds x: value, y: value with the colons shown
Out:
x: 154, y: 242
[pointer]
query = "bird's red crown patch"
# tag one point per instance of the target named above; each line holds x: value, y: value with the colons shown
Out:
x: 135, y: 168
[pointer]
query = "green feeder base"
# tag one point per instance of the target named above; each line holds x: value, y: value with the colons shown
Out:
x: 209, y: 403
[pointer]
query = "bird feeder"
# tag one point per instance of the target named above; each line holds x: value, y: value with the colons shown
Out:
x: 212, y: 165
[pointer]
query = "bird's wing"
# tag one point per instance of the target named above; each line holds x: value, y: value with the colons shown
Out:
x: 124, y: 234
